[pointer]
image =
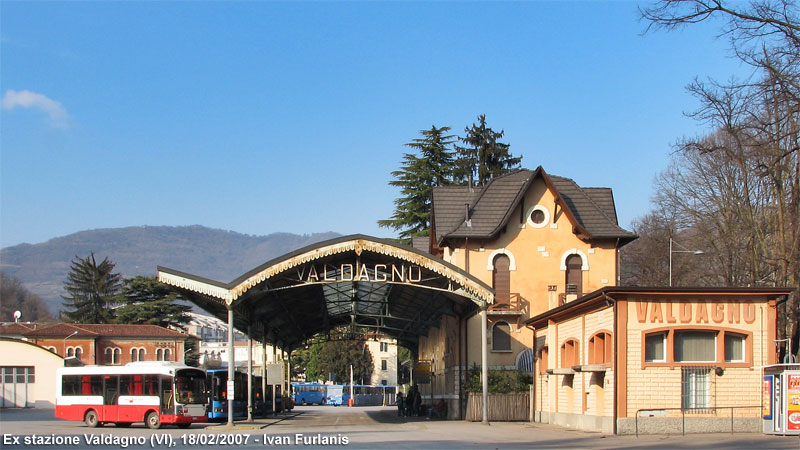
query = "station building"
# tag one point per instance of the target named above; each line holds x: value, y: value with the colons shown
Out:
x: 598, y: 353
x: 539, y: 241
x: 522, y: 273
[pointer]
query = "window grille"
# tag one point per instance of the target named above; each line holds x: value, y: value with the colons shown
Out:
x: 695, y: 388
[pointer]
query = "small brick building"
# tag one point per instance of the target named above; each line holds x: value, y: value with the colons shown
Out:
x: 674, y: 357
x: 110, y: 344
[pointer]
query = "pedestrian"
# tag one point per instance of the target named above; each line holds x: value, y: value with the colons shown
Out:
x: 401, y: 405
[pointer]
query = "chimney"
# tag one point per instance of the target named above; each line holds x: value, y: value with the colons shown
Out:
x: 467, y: 220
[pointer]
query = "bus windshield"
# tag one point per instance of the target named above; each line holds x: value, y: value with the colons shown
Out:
x: 190, y: 386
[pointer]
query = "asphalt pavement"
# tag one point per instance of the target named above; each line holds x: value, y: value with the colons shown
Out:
x: 360, y: 428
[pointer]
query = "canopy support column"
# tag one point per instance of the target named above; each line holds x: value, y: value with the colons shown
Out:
x: 264, y: 377
x: 249, y: 374
x: 230, y: 387
x: 484, y: 367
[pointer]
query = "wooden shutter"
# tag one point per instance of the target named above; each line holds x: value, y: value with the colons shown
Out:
x: 501, y: 279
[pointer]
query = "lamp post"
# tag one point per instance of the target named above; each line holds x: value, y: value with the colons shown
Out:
x: 671, y: 251
x: 65, y: 342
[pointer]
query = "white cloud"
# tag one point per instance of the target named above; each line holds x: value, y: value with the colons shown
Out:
x: 27, y: 99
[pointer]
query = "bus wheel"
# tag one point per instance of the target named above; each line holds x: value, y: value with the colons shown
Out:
x: 184, y: 425
x: 91, y: 419
x: 123, y: 424
x: 304, y: 402
x: 152, y: 420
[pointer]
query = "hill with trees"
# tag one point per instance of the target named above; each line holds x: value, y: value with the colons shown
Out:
x: 216, y: 254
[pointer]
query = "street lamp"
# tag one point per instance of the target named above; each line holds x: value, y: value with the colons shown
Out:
x: 671, y: 251
x: 65, y: 342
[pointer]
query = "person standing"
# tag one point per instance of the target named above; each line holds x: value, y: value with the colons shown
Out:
x: 401, y: 405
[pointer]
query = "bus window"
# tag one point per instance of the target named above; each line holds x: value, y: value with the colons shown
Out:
x: 151, y: 385
x: 91, y: 385
x: 71, y: 385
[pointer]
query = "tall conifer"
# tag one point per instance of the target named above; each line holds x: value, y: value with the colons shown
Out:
x: 483, y: 157
x: 91, y: 288
x: 430, y: 166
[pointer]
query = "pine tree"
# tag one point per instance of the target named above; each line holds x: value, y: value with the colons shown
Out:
x: 147, y: 301
x: 430, y: 166
x: 91, y: 288
x: 483, y: 157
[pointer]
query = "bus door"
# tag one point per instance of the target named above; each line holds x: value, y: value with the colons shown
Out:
x: 110, y: 398
x: 167, y: 395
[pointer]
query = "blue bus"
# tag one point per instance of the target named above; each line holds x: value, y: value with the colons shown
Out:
x: 365, y: 395
x: 309, y: 393
x: 217, y: 382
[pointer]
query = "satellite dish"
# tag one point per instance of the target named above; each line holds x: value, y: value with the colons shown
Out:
x: 17, y: 315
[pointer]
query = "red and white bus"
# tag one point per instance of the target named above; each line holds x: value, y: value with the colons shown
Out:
x: 155, y: 393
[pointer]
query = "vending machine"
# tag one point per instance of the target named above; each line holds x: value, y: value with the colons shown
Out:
x: 781, y: 399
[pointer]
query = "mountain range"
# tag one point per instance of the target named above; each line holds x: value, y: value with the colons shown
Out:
x: 212, y: 253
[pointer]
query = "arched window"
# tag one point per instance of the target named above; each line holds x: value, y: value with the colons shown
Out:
x: 117, y: 354
x: 525, y: 361
x: 600, y: 348
x: 166, y: 354
x: 501, y: 279
x: 134, y: 355
x: 109, y: 356
x: 141, y: 354
x: 52, y: 349
x: 501, y: 337
x: 574, y: 278
x: 70, y: 352
x: 78, y: 352
x: 569, y: 354
x: 159, y: 355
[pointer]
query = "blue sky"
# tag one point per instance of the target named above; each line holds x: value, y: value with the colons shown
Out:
x: 261, y: 117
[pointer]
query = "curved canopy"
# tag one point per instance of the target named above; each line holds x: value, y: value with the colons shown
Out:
x: 357, y: 281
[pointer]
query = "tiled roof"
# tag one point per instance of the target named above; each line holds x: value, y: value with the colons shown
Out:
x: 109, y: 330
x: 59, y: 330
x: 489, y: 206
x: 421, y: 243
x: 492, y: 205
x: 11, y: 329
x: 126, y: 330
x: 592, y: 207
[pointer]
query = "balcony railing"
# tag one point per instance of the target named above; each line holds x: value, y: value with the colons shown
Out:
x: 507, y: 302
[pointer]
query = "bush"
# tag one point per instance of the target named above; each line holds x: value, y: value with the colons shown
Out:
x: 500, y: 381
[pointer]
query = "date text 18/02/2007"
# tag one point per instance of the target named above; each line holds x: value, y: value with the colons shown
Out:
x: 223, y: 439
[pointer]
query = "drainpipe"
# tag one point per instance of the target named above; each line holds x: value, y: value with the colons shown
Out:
x: 616, y: 372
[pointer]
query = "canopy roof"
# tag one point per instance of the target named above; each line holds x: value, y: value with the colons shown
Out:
x: 357, y: 281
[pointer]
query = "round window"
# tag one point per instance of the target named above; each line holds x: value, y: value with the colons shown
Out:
x: 537, y: 216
